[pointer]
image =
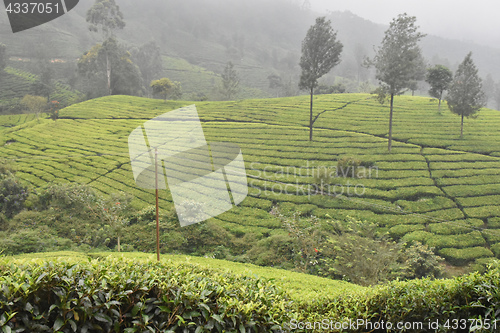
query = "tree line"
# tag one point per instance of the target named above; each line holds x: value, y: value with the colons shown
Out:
x: 399, y: 65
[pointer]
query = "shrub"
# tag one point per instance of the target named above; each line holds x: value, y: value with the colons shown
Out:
x: 494, y: 222
x: 353, y: 168
x: 420, y: 261
x: 417, y: 236
x: 122, y: 295
x: 474, y: 238
x: 360, y: 260
x: 322, y: 177
x: 399, y: 231
x: 33, y: 240
x: 13, y: 194
x: 496, y: 249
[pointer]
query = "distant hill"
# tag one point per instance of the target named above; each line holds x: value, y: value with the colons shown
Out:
x: 260, y: 37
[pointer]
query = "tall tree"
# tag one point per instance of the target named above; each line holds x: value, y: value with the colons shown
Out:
x: 34, y: 104
x: 466, y: 96
x: 148, y: 59
x: 275, y: 82
x: 125, y: 77
x: 166, y: 88
x: 105, y: 16
x: 44, y: 85
x: 230, y: 84
x: 320, y: 53
x: 398, y: 60
x: 439, y: 77
x: 3, y: 57
x: 497, y: 95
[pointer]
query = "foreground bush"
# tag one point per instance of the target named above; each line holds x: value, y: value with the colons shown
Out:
x: 116, y: 295
x: 469, y: 303
x: 124, y: 295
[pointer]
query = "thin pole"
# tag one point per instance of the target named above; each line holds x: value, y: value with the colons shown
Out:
x: 157, y: 208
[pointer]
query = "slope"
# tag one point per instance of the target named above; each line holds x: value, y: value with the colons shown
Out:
x: 433, y: 187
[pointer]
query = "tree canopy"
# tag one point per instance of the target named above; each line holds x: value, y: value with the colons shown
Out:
x: 320, y: 53
x: 166, y: 88
x: 34, y: 104
x: 3, y: 57
x: 148, y: 59
x: 230, y: 84
x: 105, y: 15
x: 466, y: 96
x: 439, y: 77
x: 399, y: 60
x: 124, y: 78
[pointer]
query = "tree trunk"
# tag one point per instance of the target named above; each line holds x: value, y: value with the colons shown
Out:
x: 119, y: 248
x: 462, y: 128
x: 439, y: 107
x: 311, y: 116
x: 390, y: 122
x: 108, y: 72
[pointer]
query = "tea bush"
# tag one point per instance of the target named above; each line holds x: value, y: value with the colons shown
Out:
x: 120, y: 295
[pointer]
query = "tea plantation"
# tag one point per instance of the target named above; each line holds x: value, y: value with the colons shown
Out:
x: 17, y: 83
x: 433, y: 187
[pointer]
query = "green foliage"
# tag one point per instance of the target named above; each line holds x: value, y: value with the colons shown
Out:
x: 466, y: 96
x: 127, y: 296
x: 398, y: 59
x: 34, y: 104
x: 338, y: 88
x: 405, y: 190
x: 18, y: 83
x: 472, y: 239
x: 33, y: 239
x: 420, y: 261
x: 106, y: 69
x: 351, y: 167
x: 166, y: 88
x: 44, y: 85
x: 323, y: 177
x: 54, y: 107
x: 320, y: 53
x: 359, y: 259
x: 439, y: 77
x: 13, y: 193
x: 207, y: 295
x: 106, y: 16
x: 463, y: 256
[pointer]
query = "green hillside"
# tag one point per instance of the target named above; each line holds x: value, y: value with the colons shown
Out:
x: 433, y: 187
x: 17, y: 83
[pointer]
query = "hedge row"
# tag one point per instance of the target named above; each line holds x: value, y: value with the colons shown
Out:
x: 117, y: 295
x: 124, y: 295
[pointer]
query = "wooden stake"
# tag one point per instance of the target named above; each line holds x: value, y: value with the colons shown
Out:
x: 157, y: 208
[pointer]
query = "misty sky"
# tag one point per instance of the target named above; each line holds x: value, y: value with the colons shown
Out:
x: 477, y: 21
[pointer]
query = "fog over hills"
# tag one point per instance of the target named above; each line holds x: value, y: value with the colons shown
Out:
x: 462, y: 20
x: 260, y: 37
